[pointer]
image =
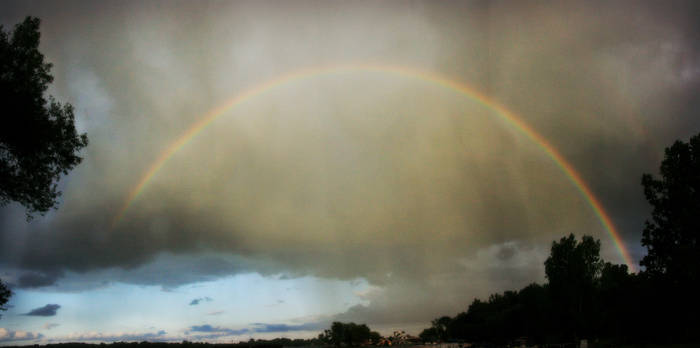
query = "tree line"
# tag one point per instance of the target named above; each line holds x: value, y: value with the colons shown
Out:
x: 585, y: 297
x: 349, y: 334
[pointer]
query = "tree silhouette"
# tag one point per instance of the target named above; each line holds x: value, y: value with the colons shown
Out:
x: 438, y: 331
x: 38, y: 139
x: 672, y: 237
x: 4, y: 295
x: 615, y: 298
x: 350, y: 334
x: 572, y: 269
x: 585, y: 298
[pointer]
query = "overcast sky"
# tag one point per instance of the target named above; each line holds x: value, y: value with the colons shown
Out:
x: 355, y: 195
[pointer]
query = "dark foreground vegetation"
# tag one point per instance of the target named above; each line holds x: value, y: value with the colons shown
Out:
x: 587, y: 298
x: 286, y: 342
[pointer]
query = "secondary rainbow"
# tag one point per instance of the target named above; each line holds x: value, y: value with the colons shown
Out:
x: 409, y: 72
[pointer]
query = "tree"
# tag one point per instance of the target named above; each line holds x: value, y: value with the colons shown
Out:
x: 375, y: 337
x: 38, y: 139
x: 438, y: 331
x: 536, y: 308
x: 572, y: 269
x: 5, y: 294
x: 672, y: 237
x: 430, y: 334
x: 326, y: 336
x: 616, y: 300
x: 350, y: 334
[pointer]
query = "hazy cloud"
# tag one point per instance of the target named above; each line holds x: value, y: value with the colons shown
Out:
x: 49, y: 326
x: 196, y: 301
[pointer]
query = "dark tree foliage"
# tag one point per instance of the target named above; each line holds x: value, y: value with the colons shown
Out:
x: 672, y: 238
x: 503, y: 318
x: 279, y: 342
x: 430, y: 335
x: 536, y: 307
x: 38, y: 139
x: 375, y: 336
x: 438, y: 331
x: 4, y: 296
x: 350, y: 334
x: 572, y: 269
x: 587, y: 298
x: 325, y: 336
x: 614, y: 282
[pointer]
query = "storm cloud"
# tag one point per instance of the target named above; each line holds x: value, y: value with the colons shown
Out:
x: 36, y: 280
x: 426, y: 193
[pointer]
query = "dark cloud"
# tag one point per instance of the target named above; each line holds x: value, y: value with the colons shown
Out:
x: 36, y: 280
x: 46, y: 311
x: 263, y: 327
x: 215, y: 331
x: 205, y: 328
x: 196, y: 301
x: 506, y: 252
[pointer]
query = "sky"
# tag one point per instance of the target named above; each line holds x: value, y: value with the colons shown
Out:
x: 381, y: 162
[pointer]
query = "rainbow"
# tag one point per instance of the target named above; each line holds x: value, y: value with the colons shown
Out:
x: 294, y: 76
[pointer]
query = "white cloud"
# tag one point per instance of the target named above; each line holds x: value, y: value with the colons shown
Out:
x: 113, y: 337
x: 11, y: 336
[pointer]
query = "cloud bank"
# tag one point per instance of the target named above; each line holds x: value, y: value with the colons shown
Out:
x: 207, y: 331
x: 119, y: 337
x: 8, y: 336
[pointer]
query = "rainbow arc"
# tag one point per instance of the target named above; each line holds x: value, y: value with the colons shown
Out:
x: 408, y: 72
